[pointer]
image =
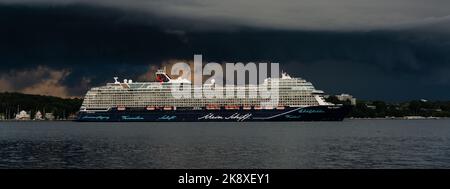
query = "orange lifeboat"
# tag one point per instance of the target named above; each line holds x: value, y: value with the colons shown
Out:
x: 150, y: 108
x: 231, y: 107
x: 121, y: 108
x: 212, y: 107
x: 247, y: 107
x: 257, y: 108
x: 167, y: 108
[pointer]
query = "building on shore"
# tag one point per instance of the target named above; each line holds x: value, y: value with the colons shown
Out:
x: 49, y: 116
x: 38, y: 116
x: 414, y: 117
x: 372, y: 107
x: 23, y: 115
x: 345, y: 97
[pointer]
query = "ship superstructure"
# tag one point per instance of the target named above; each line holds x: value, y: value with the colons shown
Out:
x: 155, y: 101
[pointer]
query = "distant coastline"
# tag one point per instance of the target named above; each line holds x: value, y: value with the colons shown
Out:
x: 50, y: 107
x: 14, y: 120
x: 398, y: 118
x: 414, y: 109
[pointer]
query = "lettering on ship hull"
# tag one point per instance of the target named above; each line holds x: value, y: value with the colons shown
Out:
x: 235, y: 116
x: 167, y: 117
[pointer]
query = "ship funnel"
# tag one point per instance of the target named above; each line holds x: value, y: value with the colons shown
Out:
x: 116, y: 80
x: 161, y: 76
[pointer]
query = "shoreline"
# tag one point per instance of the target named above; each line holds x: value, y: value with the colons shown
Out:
x: 12, y: 120
x: 398, y: 118
x: 350, y: 118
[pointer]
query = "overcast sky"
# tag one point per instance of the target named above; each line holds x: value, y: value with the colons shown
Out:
x: 285, y: 14
x: 383, y: 49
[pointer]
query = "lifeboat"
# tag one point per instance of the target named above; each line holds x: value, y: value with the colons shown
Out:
x: 247, y: 107
x: 212, y: 107
x: 257, y: 108
x: 121, y: 108
x: 268, y: 108
x: 150, y: 108
x: 280, y: 107
x: 167, y: 108
x: 231, y: 107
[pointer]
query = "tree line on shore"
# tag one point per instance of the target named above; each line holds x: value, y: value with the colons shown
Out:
x: 61, y: 108
x: 381, y: 109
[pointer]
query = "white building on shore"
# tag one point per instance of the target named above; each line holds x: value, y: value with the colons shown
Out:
x: 38, y: 116
x: 49, y: 116
x: 345, y: 97
x: 23, y: 115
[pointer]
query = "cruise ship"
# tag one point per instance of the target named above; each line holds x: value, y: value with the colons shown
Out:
x: 130, y: 101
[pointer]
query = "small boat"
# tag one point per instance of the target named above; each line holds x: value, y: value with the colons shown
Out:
x: 150, y: 108
x: 167, y: 108
x: 121, y: 108
x: 247, y: 107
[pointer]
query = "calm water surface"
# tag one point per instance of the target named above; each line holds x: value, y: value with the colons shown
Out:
x: 347, y: 144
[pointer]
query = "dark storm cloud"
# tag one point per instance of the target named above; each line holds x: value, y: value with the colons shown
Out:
x: 281, y: 14
x: 95, y: 43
